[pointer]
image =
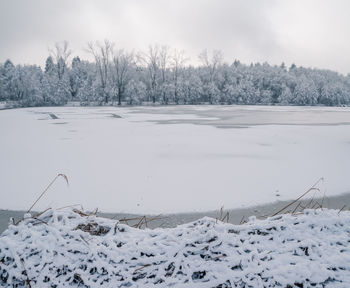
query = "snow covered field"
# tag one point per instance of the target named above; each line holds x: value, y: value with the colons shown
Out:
x: 171, y: 159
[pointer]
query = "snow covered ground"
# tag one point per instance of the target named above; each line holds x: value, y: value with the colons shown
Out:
x: 171, y: 159
x: 62, y: 248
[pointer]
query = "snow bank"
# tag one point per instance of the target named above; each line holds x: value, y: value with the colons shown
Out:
x: 64, y: 248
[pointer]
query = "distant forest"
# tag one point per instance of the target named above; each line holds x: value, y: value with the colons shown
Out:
x: 164, y: 76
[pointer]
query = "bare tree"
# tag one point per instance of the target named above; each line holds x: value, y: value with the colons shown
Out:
x: 102, y: 54
x: 178, y: 61
x: 152, y: 62
x: 122, y: 63
x: 163, y: 65
x: 60, y: 52
x: 211, y: 66
x: 212, y: 63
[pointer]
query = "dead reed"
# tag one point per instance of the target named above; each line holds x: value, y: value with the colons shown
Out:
x: 223, y: 217
x: 312, y: 204
x: 47, y: 188
x: 294, y: 207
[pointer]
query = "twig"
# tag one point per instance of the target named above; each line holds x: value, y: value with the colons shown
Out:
x: 40, y: 221
x: 48, y: 186
x: 69, y: 206
x: 25, y: 273
x: 242, y: 220
x: 218, y: 257
x: 296, y: 200
x: 311, y: 200
x: 139, y: 225
x: 128, y: 219
x: 81, y: 213
x: 296, y: 207
x: 342, y: 208
x: 41, y: 213
x: 142, y: 267
x: 316, y: 203
x: 227, y: 216
x: 84, y: 240
x: 324, y: 195
x: 222, y: 217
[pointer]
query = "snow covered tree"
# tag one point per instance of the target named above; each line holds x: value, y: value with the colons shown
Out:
x: 151, y: 60
x: 60, y: 53
x: 8, y: 80
x: 178, y: 60
x: 305, y: 92
x: 160, y: 76
x: 122, y: 64
x: 50, y: 66
x: 75, y: 78
x: 190, y: 87
x: 210, y: 66
x: 136, y: 92
x: 103, y: 54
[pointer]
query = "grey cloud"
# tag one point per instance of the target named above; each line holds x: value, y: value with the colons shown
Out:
x: 249, y: 30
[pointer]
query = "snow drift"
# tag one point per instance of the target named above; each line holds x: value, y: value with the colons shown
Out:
x: 62, y: 248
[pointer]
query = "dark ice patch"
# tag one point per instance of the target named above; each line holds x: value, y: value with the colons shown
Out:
x: 53, y: 116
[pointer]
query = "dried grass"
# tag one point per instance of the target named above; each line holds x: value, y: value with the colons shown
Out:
x: 313, y: 188
x: 295, y: 207
x: 223, y: 217
x: 141, y: 221
x: 47, y: 188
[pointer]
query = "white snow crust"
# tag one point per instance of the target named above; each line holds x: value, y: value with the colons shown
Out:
x: 62, y: 248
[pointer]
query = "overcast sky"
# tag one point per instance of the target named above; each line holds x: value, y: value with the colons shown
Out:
x: 311, y: 33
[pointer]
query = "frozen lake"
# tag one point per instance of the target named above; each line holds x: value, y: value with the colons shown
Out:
x: 171, y: 159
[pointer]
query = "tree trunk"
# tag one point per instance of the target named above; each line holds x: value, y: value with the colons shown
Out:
x: 119, y: 96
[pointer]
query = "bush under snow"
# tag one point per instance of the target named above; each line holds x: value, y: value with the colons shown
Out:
x: 64, y: 248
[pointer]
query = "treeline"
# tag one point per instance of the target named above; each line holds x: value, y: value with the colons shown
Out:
x: 164, y: 76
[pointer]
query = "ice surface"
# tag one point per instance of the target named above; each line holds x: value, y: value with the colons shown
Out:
x: 134, y: 164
